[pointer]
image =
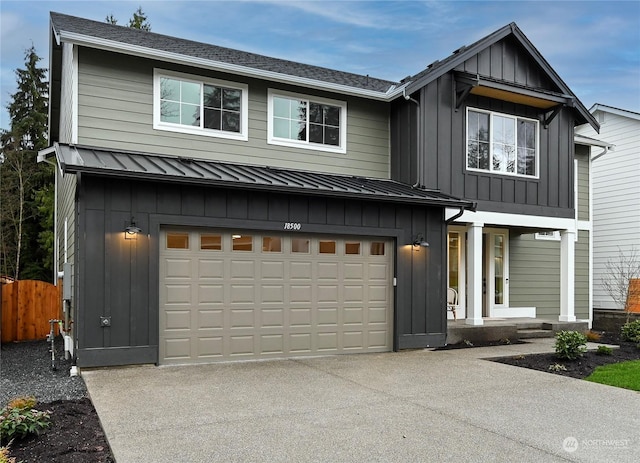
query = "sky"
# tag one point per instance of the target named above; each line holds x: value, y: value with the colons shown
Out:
x: 593, y: 45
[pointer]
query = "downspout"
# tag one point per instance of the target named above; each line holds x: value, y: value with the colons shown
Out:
x: 473, y: 208
x: 418, y: 183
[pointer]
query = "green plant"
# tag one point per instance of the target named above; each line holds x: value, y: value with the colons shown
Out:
x: 631, y: 331
x: 19, y: 419
x: 557, y: 367
x: 604, y: 350
x: 570, y: 344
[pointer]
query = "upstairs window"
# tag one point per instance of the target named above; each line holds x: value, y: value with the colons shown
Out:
x: 501, y: 143
x: 184, y: 103
x: 307, y: 122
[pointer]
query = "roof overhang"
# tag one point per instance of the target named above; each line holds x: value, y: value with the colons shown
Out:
x: 177, y: 58
x: 144, y: 166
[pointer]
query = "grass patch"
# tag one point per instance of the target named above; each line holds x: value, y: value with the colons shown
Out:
x: 624, y: 374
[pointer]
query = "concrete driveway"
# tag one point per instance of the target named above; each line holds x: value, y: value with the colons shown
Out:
x: 417, y: 406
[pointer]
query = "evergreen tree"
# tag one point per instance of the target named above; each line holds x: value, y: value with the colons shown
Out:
x: 25, y: 185
x: 137, y: 21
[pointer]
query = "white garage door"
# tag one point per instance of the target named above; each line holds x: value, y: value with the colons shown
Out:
x: 260, y: 295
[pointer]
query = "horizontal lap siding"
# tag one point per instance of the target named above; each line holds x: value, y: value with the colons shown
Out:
x: 116, y: 112
x: 534, y: 275
x: 66, y: 210
x: 616, y: 197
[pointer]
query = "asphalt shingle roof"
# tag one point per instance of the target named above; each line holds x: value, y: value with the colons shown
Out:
x: 165, y: 43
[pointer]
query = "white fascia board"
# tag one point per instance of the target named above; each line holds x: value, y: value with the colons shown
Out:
x: 512, y: 220
x: 616, y: 111
x: 177, y: 58
x: 582, y: 140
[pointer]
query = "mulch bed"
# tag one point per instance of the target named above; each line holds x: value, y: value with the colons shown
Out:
x: 74, y: 436
x: 582, y: 366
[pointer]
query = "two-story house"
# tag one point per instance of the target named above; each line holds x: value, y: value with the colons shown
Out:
x: 217, y: 204
x: 616, y: 196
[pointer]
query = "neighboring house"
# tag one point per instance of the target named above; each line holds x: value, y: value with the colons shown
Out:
x: 616, y: 193
x: 216, y: 204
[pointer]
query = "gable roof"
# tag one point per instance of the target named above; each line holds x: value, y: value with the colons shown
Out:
x: 128, y: 164
x: 136, y: 42
x: 459, y: 56
x: 616, y: 111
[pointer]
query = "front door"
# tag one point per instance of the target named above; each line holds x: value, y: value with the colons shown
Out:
x: 495, y: 270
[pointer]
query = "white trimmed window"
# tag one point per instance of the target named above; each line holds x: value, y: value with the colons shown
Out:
x: 502, y: 143
x: 307, y: 122
x: 201, y: 106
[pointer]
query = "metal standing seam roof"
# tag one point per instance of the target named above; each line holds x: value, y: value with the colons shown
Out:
x: 143, y: 166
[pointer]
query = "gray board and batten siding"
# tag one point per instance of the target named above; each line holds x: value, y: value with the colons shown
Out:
x: 115, y: 111
x: 442, y: 140
x: 121, y: 276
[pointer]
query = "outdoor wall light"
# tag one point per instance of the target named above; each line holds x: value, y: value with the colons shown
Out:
x: 131, y: 230
x: 420, y: 242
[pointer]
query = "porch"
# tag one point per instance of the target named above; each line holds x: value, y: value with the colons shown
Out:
x: 496, y: 329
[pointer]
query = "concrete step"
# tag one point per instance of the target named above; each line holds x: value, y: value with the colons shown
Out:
x: 530, y: 325
x: 531, y: 333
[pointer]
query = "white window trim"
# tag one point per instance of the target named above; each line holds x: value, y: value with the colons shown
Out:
x: 243, y: 135
x: 554, y: 237
x: 490, y: 170
x: 306, y: 144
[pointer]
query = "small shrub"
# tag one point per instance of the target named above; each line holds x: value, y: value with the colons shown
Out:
x: 631, y: 331
x: 570, y: 344
x: 19, y: 418
x: 557, y: 367
x: 604, y: 350
x: 4, y: 455
x: 593, y: 336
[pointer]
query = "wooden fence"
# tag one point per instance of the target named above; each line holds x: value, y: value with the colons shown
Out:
x: 27, y: 307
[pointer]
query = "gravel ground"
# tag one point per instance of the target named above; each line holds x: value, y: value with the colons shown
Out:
x: 25, y: 369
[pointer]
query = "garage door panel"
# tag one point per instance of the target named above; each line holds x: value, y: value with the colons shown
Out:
x: 379, y: 272
x: 242, y: 318
x: 243, y: 269
x: 353, y: 271
x: 327, y: 270
x: 241, y: 345
x: 210, y: 319
x: 208, y: 268
x: 178, y: 320
x: 209, y: 347
x: 272, y: 270
x: 210, y: 294
x: 272, y: 343
x: 327, y: 316
x: 178, y: 294
x: 178, y: 268
x: 298, y: 296
x: 272, y: 318
x: 179, y: 348
x: 300, y: 270
x: 299, y: 343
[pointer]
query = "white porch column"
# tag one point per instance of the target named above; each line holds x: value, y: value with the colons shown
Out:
x: 474, y: 274
x: 567, y: 276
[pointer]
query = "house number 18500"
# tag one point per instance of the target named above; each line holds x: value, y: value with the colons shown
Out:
x: 292, y: 226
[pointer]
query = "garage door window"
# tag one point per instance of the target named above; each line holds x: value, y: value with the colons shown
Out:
x: 210, y: 242
x: 271, y: 244
x: 377, y: 248
x: 300, y: 245
x: 327, y: 247
x: 177, y: 240
x: 242, y: 242
x: 352, y: 248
